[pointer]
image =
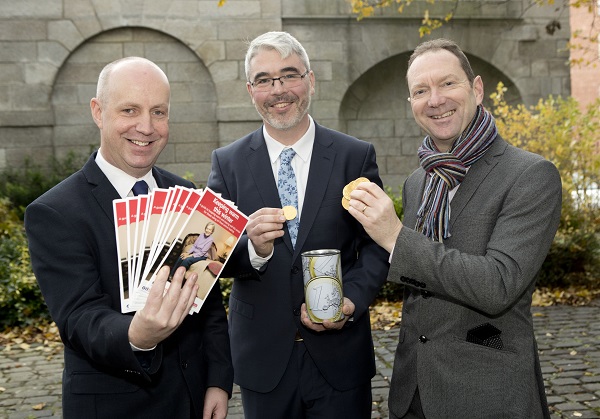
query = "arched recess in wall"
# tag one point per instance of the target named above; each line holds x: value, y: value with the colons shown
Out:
x: 375, y: 109
x: 193, y: 127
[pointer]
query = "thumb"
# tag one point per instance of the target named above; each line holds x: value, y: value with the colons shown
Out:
x: 349, y: 307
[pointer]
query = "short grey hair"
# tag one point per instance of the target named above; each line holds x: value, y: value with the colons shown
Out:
x: 282, y: 42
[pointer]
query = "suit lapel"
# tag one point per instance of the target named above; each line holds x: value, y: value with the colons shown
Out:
x: 414, y: 193
x: 101, y: 188
x: 475, y: 176
x: 321, y: 166
x: 259, y: 165
x: 104, y: 192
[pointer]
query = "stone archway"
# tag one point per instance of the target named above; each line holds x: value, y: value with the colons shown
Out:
x: 193, y: 122
x: 375, y: 109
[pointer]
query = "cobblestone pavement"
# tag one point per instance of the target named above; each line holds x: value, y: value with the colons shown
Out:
x: 568, y: 340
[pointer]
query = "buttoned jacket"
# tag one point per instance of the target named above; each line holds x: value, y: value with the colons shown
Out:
x: 72, y: 243
x: 264, y: 306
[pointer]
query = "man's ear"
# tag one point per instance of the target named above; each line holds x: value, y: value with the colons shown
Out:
x: 249, y: 88
x: 478, y: 89
x: 96, y: 112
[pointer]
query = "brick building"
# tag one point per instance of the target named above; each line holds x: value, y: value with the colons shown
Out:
x: 585, y: 77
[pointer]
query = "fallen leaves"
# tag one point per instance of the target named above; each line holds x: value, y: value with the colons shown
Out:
x: 39, y: 406
x: 45, y: 337
x: 573, y: 296
x: 384, y: 315
x: 387, y: 314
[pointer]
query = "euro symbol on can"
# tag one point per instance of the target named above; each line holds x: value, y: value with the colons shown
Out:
x: 323, y: 293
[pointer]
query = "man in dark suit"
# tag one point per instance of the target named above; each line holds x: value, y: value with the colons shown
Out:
x: 287, y: 366
x: 479, y: 218
x: 160, y: 362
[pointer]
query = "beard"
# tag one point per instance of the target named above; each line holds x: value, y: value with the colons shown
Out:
x: 291, y: 119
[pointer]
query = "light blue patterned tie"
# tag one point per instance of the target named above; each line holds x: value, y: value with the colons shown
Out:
x: 288, y: 192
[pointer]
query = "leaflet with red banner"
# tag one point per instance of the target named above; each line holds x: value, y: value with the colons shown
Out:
x: 193, y: 228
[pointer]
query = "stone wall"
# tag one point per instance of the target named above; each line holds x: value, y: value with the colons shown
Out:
x: 51, y: 52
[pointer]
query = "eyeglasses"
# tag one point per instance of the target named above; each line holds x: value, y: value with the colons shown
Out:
x: 266, y: 83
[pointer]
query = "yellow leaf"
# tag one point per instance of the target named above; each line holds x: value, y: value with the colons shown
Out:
x: 39, y: 406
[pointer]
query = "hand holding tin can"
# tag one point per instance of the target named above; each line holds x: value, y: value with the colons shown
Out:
x: 323, y: 291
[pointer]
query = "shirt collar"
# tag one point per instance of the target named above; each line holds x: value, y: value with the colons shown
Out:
x: 122, y: 181
x: 303, y: 147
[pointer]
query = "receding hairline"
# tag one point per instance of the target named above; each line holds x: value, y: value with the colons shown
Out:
x: 442, y: 44
x: 110, y: 68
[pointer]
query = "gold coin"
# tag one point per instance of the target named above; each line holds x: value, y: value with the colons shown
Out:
x: 346, y: 191
x: 360, y: 180
x: 289, y: 212
x: 349, y: 188
x: 345, y: 203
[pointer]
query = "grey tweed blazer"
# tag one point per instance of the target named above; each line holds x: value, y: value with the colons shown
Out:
x: 466, y: 337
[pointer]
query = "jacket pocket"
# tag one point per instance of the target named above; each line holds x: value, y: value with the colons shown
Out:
x: 98, y: 383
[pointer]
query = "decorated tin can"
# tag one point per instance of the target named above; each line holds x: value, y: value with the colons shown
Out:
x: 323, y: 292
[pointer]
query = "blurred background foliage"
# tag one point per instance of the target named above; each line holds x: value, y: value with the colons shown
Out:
x: 559, y: 130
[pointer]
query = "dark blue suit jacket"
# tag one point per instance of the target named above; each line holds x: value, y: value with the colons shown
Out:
x: 265, y: 306
x: 73, y: 251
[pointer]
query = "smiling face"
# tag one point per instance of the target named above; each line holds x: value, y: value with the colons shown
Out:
x: 209, y: 229
x: 284, y: 109
x: 443, y: 101
x: 132, y: 112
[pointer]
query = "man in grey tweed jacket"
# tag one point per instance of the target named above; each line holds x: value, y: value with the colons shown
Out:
x: 479, y: 218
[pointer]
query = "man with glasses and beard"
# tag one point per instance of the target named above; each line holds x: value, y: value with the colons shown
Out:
x: 286, y: 365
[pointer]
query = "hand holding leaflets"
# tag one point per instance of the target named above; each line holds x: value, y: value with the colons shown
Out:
x: 194, y: 228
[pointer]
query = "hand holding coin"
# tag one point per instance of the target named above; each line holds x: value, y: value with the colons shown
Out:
x: 348, y: 190
x: 264, y: 227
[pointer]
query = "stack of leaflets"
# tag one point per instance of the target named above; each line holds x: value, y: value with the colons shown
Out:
x: 161, y: 228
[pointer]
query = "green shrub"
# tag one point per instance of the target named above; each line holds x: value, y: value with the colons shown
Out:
x: 22, y: 186
x: 560, y: 131
x: 392, y: 291
x: 571, y: 261
x: 21, y: 301
x: 226, y: 284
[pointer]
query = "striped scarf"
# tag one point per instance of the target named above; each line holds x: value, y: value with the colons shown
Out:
x: 447, y: 170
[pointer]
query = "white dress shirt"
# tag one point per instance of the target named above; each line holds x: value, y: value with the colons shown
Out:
x: 300, y: 164
x: 122, y: 181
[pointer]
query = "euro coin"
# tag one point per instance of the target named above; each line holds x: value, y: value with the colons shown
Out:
x: 289, y: 212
